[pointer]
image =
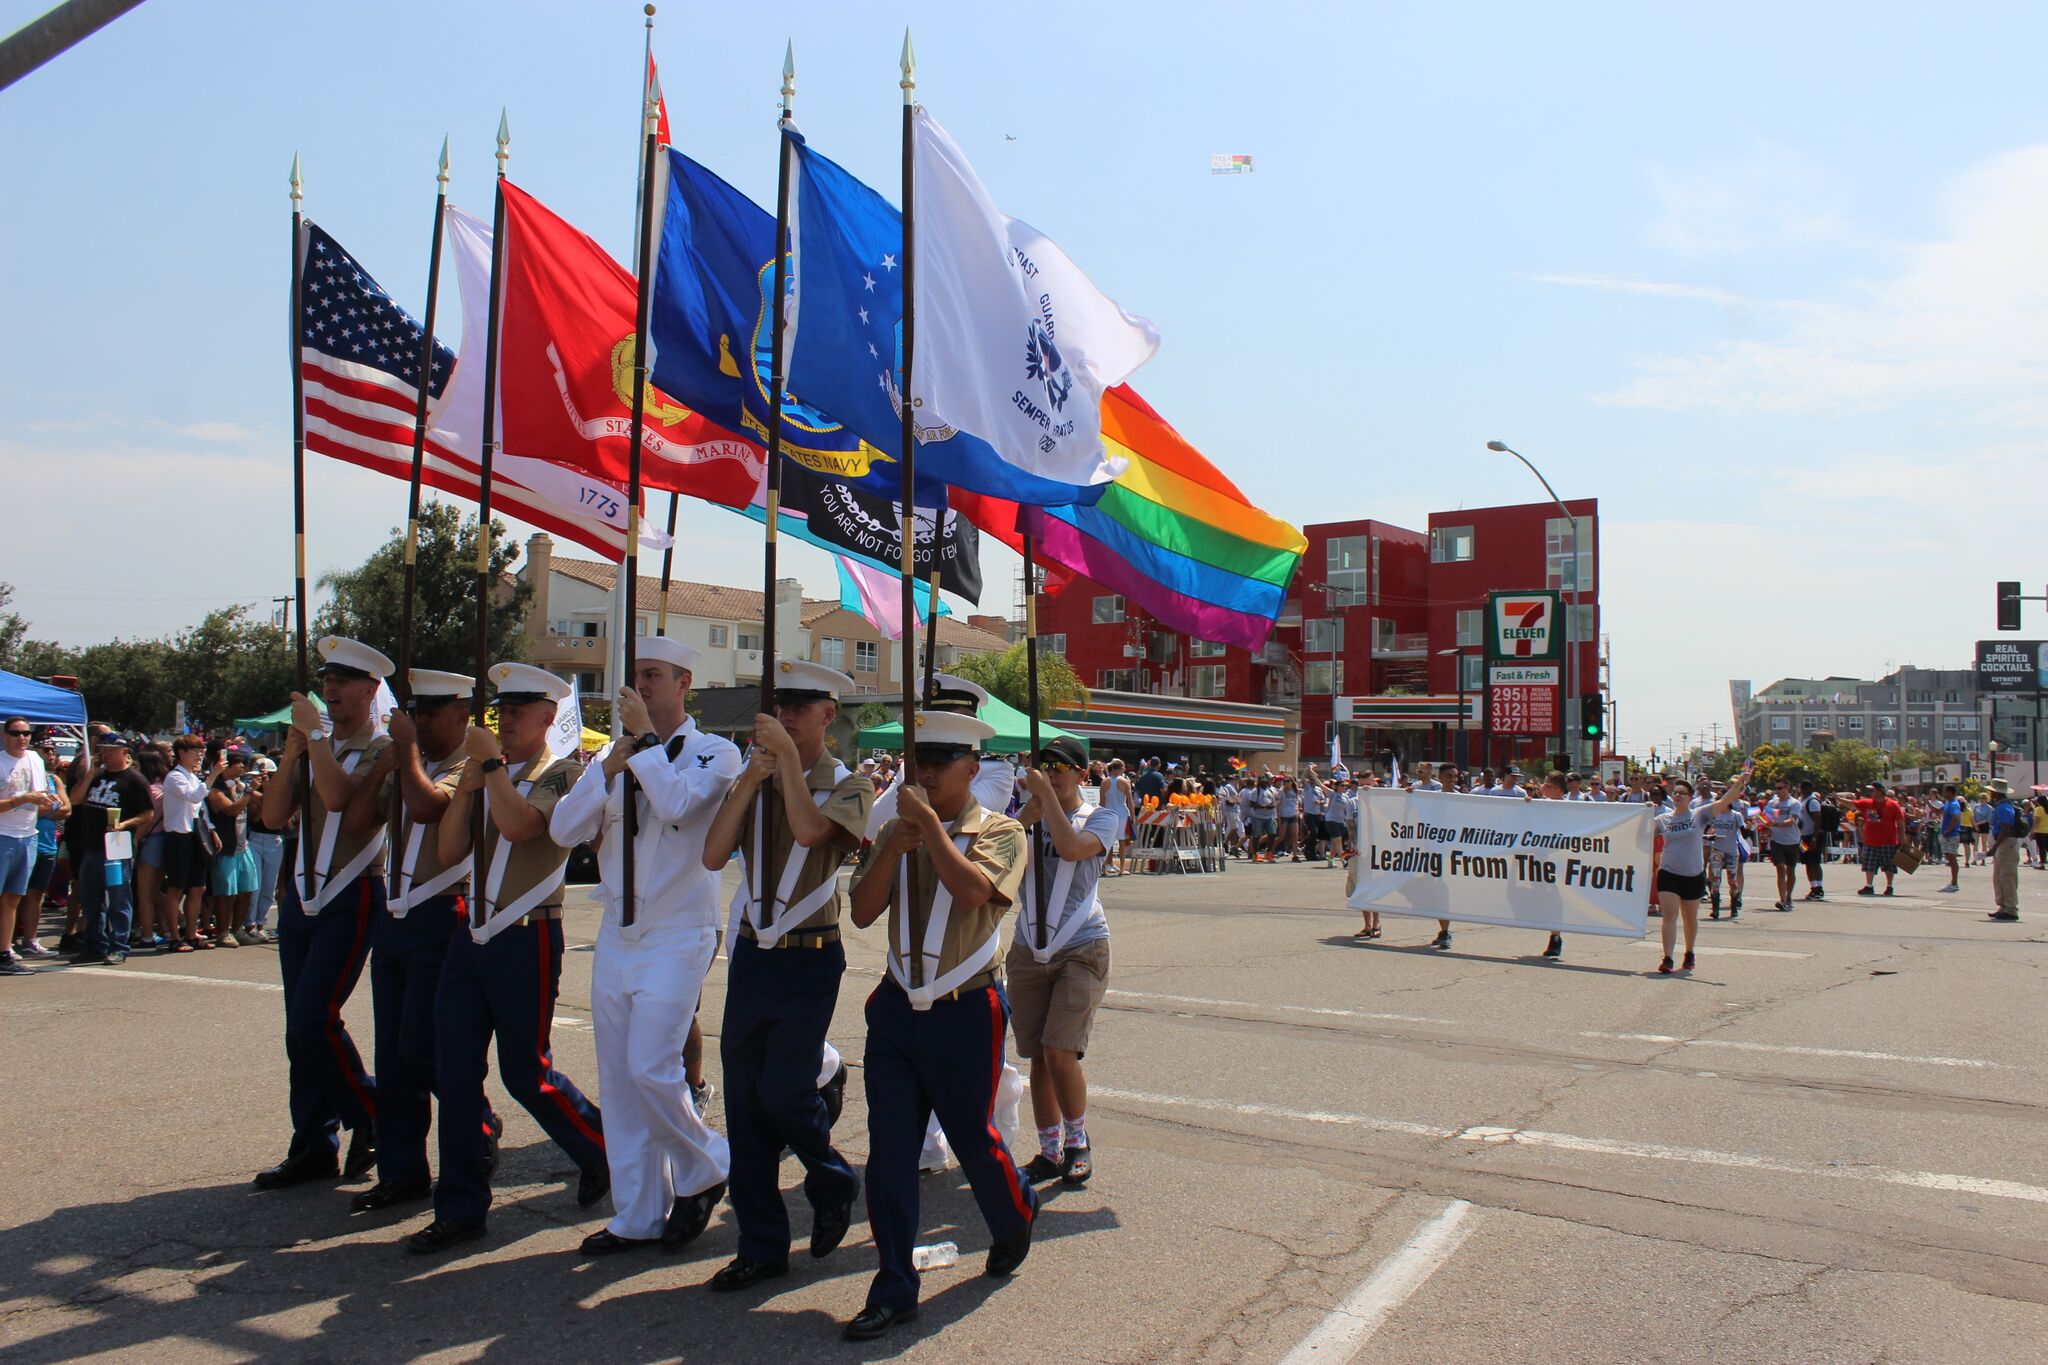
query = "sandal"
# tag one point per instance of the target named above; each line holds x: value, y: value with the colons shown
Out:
x: 199, y: 943
x: 181, y: 946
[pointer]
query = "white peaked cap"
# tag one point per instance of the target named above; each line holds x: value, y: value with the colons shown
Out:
x: 950, y: 727
x: 801, y: 675
x: 346, y: 653
x: 524, y: 679
x: 947, y: 682
x: 428, y: 682
x: 669, y: 650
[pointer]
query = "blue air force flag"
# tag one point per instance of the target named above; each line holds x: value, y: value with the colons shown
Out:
x: 1015, y: 344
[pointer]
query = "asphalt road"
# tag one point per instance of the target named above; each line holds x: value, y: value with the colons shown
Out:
x: 1827, y: 1144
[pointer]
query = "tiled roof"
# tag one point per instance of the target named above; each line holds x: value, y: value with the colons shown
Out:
x: 707, y: 601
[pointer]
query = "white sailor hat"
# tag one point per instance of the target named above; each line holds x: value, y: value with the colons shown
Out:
x: 799, y: 680
x: 431, y: 687
x: 517, y: 683
x: 669, y: 650
x: 341, y: 655
x: 941, y: 730
x: 950, y: 693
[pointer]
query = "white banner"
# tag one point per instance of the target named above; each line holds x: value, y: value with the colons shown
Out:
x: 1573, y: 867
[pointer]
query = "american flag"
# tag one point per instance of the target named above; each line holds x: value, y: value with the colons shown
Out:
x: 360, y: 362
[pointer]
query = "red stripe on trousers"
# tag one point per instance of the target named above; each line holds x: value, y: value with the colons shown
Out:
x: 544, y: 1052
x: 997, y: 1147
x: 356, y: 951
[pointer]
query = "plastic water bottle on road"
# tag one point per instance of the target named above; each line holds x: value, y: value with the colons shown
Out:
x: 938, y: 1256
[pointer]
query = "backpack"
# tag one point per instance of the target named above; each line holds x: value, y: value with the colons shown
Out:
x: 1830, y: 819
x: 2022, y: 818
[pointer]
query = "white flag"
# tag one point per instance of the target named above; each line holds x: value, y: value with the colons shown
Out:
x: 1014, y: 343
x: 565, y: 736
x: 382, y: 705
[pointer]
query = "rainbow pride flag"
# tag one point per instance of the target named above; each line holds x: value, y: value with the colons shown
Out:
x: 1173, y: 534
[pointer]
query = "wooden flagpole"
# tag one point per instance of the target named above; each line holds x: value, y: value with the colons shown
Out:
x: 772, y: 486
x: 479, y: 874
x: 402, y: 676
x: 305, y: 773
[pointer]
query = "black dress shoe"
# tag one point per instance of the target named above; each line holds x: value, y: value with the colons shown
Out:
x: 494, y: 1129
x: 874, y: 1320
x: 1077, y: 1167
x: 297, y: 1170
x: 1042, y: 1168
x: 690, y: 1215
x: 604, y: 1242
x: 1005, y: 1256
x: 362, y: 1154
x: 384, y: 1195
x: 833, y: 1092
x: 828, y: 1229
x: 594, y: 1186
x: 745, y: 1272
x: 440, y: 1234
x: 1554, y: 948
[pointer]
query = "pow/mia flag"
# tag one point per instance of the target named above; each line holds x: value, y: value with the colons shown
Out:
x: 839, y: 517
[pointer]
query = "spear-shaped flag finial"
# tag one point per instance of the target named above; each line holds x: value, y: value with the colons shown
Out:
x: 909, y: 65
x: 788, y: 74
x: 298, y: 184
x: 442, y: 176
x: 653, y: 110
x: 504, y: 141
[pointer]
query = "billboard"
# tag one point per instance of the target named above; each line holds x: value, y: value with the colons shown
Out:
x: 2012, y: 665
x: 1524, y: 626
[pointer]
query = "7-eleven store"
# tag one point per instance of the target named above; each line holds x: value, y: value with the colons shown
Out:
x: 1194, y: 733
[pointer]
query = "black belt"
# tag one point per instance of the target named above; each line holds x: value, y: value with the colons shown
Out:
x: 974, y: 983
x: 815, y: 938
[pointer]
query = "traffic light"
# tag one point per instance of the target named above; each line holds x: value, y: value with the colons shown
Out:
x: 2008, y: 606
x: 1593, y: 715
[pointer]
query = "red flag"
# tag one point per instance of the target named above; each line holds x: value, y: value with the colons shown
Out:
x: 660, y: 103
x: 998, y: 517
x: 565, y: 369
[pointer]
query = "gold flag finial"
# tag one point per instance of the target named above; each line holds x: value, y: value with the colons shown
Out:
x: 654, y: 103
x: 298, y: 183
x: 788, y: 74
x: 441, y: 177
x: 909, y: 65
x: 504, y: 140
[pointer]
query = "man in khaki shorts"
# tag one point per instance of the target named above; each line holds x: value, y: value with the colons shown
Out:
x: 1059, y: 962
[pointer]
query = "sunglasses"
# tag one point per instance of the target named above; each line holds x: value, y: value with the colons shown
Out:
x: 19, y: 734
x: 1056, y: 765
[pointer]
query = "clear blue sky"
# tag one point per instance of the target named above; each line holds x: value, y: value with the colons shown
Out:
x: 1768, y: 281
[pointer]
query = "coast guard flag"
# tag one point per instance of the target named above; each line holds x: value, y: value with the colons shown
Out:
x: 565, y: 735
x: 1015, y: 344
x: 845, y: 338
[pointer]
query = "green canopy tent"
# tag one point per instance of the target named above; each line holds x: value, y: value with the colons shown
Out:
x: 276, y: 720
x: 1013, y: 731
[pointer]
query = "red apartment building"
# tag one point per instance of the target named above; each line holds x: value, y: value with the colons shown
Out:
x: 1381, y: 630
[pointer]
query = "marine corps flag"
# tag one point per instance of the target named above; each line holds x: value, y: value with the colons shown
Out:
x: 565, y: 361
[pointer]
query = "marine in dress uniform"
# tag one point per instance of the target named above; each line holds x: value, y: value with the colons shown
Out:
x: 937, y: 1021
x: 413, y: 783
x: 668, y: 1169
x: 326, y: 915
x: 793, y: 817
x: 1058, y: 967
x: 502, y: 975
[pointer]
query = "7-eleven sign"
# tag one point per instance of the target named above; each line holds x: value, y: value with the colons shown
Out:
x: 1523, y: 625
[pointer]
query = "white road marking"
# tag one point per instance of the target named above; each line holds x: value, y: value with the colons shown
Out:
x: 1704, y: 951
x: 1648, y: 1151
x: 140, y: 974
x: 1348, y: 1326
x: 1799, y: 1051
x: 1288, y: 1009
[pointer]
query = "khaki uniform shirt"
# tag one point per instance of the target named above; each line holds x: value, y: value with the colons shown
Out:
x: 852, y: 795
x: 998, y: 848
x: 446, y: 775
x: 534, y: 861
x: 366, y: 744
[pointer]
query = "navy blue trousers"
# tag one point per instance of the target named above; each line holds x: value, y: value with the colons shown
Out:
x: 321, y: 957
x: 778, y: 1005
x: 945, y: 1061
x: 504, y: 989
x: 406, y: 957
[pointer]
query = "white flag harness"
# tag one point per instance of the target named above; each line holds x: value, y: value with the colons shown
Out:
x: 921, y: 997
x: 330, y: 834
x: 1062, y: 881
x: 772, y: 921
x: 418, y: 893
x: 496, y: 919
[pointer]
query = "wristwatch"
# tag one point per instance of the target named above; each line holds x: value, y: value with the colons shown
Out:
x: 492, y: 765
x: 646, y: 741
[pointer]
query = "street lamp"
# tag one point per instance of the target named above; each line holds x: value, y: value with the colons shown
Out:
x: 1571, y: 654
x: 1464, y: 745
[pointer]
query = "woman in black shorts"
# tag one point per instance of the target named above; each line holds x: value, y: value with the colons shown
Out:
x: 1682, y: 874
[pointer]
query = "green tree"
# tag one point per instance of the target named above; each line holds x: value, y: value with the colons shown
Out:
x: 1723, y: 765
x: 1910, y: 755
x: 127, y: 683
x: 1005, y: 674
x: 1850, y: 764
x: 229, y: 665
x: 13, y: 628
x: 367, y: 601
x: 1783, y: 762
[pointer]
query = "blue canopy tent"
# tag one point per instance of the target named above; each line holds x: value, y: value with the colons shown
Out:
x: 40, y: 703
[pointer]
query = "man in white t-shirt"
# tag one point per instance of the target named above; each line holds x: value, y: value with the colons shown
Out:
x: 24, y: 795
